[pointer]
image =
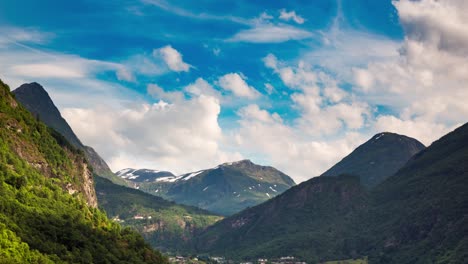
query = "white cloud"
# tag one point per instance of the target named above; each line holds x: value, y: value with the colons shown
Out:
x: 179, y: 137
x: 236, y: 84
x: 124, y: 74
x: 172, y: 58
x: 43, y: 70
x: 424, y: 131
x: 159, y: 93
x: 202, y: 87
x: 69, y: 79
x: 325, y: 108
x: 287, y: 16
x: 269, y: 88
x: 267, y: 137
x: 19, y: 36
x: 270, y: 33
x: 426, y: 85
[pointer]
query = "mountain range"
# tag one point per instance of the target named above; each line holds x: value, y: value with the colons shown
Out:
x: 417, y: 215
x: 390, y: 201
x: 225, y: 189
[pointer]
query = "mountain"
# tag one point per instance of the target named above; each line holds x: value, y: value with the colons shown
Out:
x: 305, y: 221
x: 47, y: 199
x: 418, y: 215
x: 36, y: 99
x: 225, y: 189
x: 377, y: 159
x: 165, y: 225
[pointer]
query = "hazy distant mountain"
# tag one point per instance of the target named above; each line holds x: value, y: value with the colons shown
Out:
x: 36, y: 99
x: 225, y: 189
x: 417, y: 215
x: 377, y: 159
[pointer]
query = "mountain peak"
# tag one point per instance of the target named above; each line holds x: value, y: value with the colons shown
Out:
x: 378, y: 158
x: 36, y: 100
x: 240, y: 162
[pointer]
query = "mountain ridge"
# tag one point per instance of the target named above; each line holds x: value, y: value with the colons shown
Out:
x: 35, y: 98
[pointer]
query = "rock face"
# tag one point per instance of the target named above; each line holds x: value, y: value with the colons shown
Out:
x: 225, y: 189
x: 377, y: 159
x: 36, y: 99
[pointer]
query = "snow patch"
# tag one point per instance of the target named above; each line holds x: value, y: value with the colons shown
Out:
x: 377, y: 138
x: 191, y: 175
x: 168, y: 179
x: 206, y: 188
x: 268, y: 195
x: 273, y: 189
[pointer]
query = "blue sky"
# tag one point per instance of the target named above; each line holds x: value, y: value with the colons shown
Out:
x: 184, y: 85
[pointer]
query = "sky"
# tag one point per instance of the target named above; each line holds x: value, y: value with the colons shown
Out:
x: 186, y: 85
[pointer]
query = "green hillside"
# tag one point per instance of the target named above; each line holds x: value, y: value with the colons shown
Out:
x: 47, y: 199
x: 165, y: 225
x: 420, y: 214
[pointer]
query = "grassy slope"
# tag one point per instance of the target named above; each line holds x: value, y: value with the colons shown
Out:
x: 39, y: 221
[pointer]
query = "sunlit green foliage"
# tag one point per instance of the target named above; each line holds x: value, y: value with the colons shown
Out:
x: 39, y: 221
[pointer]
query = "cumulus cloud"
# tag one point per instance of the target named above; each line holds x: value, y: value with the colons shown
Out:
x: 202, y: 87
x: 267, y: 136
x: 159, y: 93
x: 172, y: 58
x: 235, y: 83
x: 426, y: 83
x: 287, y: 16
x: 325, y: 108
x: 178, y: 137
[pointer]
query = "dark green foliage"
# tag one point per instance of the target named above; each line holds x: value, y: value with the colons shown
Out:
x: 40, y: 222
x: 166, y: 225
x: 377, y: 159
x: 288, y: 224
x: 418, y: 215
